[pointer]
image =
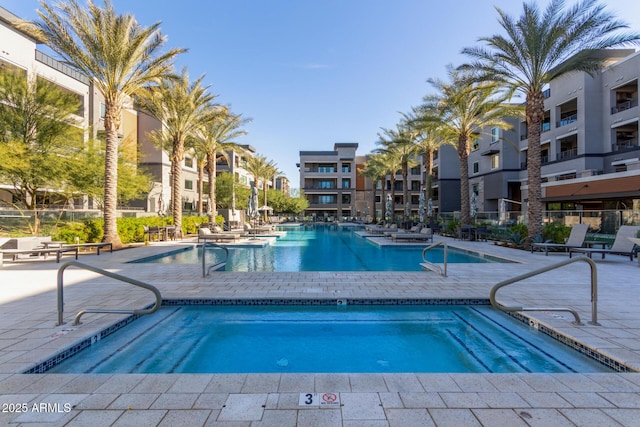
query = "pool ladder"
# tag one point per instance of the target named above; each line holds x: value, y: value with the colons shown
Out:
x: 431, y: 266
x: 216, y: 266
x: 594, y: 291
x: 102, y: 272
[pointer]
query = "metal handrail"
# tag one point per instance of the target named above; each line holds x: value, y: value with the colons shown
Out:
x: 217, y: 266
x: 594, y: 291
x: 443, y: 271
x: 119, y: 277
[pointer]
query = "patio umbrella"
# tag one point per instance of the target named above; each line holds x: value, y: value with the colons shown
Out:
x: 421, y: 207
x: 430, y: 208
x: 388, y: 208
x: 252, y: 206
x: 502, y: 214
x: 474, y: 205
x: 161, y: 211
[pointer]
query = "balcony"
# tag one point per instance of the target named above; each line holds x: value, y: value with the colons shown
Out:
x: 568, y: 154
x: 627, y: 144
x: 624, y: 105
x: 568, y: 119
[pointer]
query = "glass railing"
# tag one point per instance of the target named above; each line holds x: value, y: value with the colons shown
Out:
x: 624, y: 105
x: 567, y: 120
x: 568, y: 154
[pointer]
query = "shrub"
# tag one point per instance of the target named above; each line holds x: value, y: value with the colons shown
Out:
x: 70, y: 231
x: 555, y: 232
x: 520, y: 229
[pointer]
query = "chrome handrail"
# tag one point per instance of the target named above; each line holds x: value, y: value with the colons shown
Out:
x: 119, y: 277
x: 205, y: 270
x: 443, y: 271
x: 594, y: 291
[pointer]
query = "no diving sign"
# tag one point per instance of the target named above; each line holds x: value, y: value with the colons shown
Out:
x: 319, y: 399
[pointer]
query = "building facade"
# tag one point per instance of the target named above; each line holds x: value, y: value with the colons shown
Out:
x: 328, y: 181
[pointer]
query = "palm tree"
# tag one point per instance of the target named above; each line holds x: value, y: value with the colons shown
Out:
x: 400, y: 143
x: 462, y: 109
x: 215, y: 138
x: 182, y: 108
x: 390, y: 163
x: 119, y: 56
x: 428, y: 142
x: 261, y: 169
x: 374, y: 171
x: 538, y: 48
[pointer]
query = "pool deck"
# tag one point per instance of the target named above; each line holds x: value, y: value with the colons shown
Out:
x: 28, y: 335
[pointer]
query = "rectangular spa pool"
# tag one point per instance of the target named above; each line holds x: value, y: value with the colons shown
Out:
x: 327, y: 339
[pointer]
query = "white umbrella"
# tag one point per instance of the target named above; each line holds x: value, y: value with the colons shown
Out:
x: 502, y: 214
x: 421, y: 206
x: 265, y: 208
x: 252, y: 206
x: 430, y: 208
x: 474, y: 204
x: 388, y: 207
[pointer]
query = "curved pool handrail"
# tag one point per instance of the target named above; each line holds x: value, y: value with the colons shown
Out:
x: 443, y: 271
x: 217, y: 266
x: 102, y: 272
x: 594, y: 291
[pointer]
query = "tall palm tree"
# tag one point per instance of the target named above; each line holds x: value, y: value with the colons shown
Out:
x: 537, y: 48
x: 182, y: 108
x: 215, y: 138
x: 429, y: 141
x: 400, y: 143
x: 391, y: 164
x: 261, y: 169
x: 375, y: 172
x: 462, y: 108
x: 119, y: 56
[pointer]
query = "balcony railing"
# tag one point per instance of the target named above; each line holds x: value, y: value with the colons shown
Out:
x: 567, y: 120
x: 568, y: 154
x: 624, y: 105
x: 627, y: 144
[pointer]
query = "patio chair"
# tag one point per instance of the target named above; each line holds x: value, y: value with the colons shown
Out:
x: 575, y: 240
x: 622, y: 245
x: 205, y: 234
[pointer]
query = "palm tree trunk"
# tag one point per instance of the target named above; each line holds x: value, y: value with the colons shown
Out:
x: 111, y: 125
x: 405, y: 192
x: 463, y: 154
x: 383, y: 203
x: 534, y: 112
x: 211, y: 174
x: 176, y: 190
x: 200, y: 187
x: 428, y: 167
x: 374, y: 200
x: 393, y: 197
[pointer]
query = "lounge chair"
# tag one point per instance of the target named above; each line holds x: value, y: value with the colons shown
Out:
x: 259, y: 229
x: 575, y: 240
x: 423, y: 234
x: 622, y: 245
x: 205, y: 234
x: 413, y: 230
x: 377, y: 229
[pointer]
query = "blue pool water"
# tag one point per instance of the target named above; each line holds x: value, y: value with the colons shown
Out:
x: 323, y: 248
x: 294, y: 338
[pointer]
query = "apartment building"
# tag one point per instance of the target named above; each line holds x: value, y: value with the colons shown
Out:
x: 328, y: 181
x: 589, y: 148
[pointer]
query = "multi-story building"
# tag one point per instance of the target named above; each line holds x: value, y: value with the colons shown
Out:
x: 328, y: 181
x: 283, y: 185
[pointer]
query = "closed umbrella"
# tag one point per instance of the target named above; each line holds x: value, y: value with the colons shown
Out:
x: 388, y: 208
x: 430, y: 208
x: 421, y: 207
x: 474, y: 205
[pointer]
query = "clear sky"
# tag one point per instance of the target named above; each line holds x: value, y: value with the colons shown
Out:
x: 314, y: 72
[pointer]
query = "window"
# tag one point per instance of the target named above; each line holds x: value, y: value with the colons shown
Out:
x: 188, y: 184
x: 103, y: 110
x: 415, y: 170
x: 476, y: 167
x: 475, y: 145
x: 325, y: 184
x: 326, y: 200
x: 346, y: 198
x: 188, y: 162
x: 346, y: 183
x: 495, y: 134
x: 346, y: 167
x: 416, y: 185
x: 495, y: 161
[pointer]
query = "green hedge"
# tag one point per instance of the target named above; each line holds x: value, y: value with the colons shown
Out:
x: 131, y: 230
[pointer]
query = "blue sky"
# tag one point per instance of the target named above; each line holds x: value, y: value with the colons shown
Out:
x: 314, y: 72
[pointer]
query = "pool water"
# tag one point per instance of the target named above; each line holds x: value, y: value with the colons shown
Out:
x: 327, y: 339
x: 322, y: 248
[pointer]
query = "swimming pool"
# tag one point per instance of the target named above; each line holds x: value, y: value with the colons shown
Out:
x: 322, y: 248
x: 327, y: 339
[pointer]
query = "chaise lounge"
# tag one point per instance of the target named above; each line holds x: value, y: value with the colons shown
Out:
x: 575, y: 240
x: 423, y: 234
x: 622, y: 245
x: 205, y: 234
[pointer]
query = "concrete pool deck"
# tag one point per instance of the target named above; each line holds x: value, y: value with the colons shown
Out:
x: 28, y: 335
